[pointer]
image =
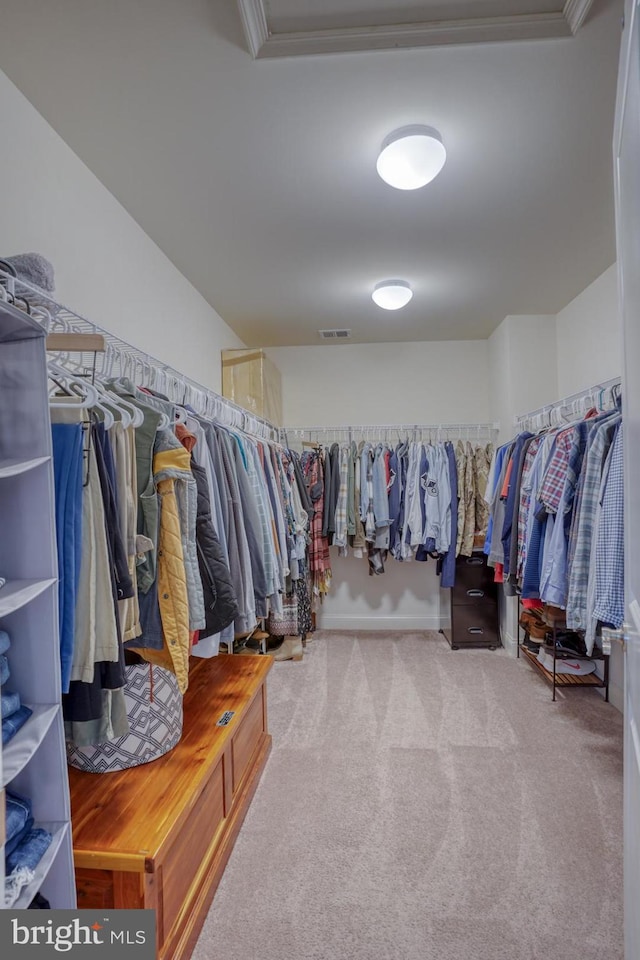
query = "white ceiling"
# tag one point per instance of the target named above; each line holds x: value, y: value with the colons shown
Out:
x: 257, y: 177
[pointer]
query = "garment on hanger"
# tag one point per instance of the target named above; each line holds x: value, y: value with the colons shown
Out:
x: 401, y: 501
x: 556, y: 528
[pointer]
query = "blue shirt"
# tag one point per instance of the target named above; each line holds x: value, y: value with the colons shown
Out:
x: 500, y: 455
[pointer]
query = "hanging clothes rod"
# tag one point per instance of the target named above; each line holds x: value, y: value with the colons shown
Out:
x: 385, y: 428
x: 140, y: 367
x: 590, y: 393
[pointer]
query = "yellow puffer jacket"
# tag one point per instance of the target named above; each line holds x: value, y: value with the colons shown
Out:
x: 172, y: 582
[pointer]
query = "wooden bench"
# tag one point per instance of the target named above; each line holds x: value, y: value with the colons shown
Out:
x: 159, y: 836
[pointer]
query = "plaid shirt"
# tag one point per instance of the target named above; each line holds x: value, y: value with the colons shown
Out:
x: 525, y: 501
x: 577, y: 612
x: 609, y: 597
x: 342, y: 506
x: 554, y: 578
x: 555, y: 475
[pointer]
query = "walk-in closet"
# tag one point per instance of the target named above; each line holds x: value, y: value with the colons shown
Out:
x: 319, y: 393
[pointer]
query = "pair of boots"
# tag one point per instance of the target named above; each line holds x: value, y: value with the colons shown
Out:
x: 289, y: 649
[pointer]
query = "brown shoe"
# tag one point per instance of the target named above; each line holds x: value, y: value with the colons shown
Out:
x: 533, y: 624
x: 554, y: 615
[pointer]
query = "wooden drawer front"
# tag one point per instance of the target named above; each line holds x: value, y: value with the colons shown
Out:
x: 182, y: 861
x: 473, y: 572
x: 475, y: 623
x: 472, y: 596
x: 246, y: 739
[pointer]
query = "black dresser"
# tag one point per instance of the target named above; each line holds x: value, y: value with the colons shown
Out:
x: 473, y: 605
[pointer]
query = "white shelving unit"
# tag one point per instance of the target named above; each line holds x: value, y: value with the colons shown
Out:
x: 33, y: 762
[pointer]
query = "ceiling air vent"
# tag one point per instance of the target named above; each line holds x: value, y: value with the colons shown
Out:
x: 335, y: 334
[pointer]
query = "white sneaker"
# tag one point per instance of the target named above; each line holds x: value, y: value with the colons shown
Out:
x: 575, y: 665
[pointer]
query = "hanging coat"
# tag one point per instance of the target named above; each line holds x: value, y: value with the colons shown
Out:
x: 220, y: 600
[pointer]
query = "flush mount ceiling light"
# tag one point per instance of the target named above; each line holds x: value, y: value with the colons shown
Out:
x: 392, y: 294
x: 411, y: 157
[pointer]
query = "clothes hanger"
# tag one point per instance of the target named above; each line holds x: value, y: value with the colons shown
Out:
x: 85, y: 393
x: 134, y: 413
x: 110, y: 400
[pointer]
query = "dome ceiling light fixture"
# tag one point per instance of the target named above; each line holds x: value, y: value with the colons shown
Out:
x: 411, y: 157
x: 392, y: 294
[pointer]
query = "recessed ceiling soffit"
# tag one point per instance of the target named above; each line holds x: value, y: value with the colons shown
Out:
x: 282, y: 28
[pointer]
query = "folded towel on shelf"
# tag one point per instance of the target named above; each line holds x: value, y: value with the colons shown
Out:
x: 5, y: 642
x: 9, y: 703
x: 11, y: 725
x: 30, y: 852
x: 13, y: 885
x: 33, y: 268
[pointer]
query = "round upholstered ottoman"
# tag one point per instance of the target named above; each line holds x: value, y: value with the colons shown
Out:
x: 154, y: 710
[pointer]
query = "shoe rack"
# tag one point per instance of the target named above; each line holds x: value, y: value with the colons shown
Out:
x: 563, y: 680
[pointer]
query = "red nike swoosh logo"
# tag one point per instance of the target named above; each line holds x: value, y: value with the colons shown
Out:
x: 576, y: 666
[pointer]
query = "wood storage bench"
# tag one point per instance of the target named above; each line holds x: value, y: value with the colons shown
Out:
x: 159, y: 835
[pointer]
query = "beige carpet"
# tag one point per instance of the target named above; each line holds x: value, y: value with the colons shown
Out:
x: 425, y: 804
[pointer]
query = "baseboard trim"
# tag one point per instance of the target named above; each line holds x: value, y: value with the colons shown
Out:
x: 509, y: 643
x: 379, y: 624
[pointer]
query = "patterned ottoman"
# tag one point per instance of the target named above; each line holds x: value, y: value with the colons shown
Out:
x: 154, y: 709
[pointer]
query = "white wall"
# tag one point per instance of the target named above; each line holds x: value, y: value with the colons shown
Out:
x: 382, y: 383
x: 589, y: 336
x: 500, y: 378
x: 405, y: 597
x: 106, y: 267
x: 349, y: 383
x: 523, y: 367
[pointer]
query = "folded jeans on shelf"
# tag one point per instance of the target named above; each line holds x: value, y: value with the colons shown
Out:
x: 30, y: 852
x: 17, y: 812
x: 11, y: 845
x: 4, y: 670
x: 9, y: 703
x: 12, y: 724
x: 5, y: 642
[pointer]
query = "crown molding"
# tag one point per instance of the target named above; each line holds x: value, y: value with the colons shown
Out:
x: 264, y: 44
x: 402, y: 36
x: 254, y: 21
x: 575, y: 12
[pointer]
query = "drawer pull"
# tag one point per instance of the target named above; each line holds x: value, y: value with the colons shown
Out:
x: 475, y: 593
x: 475, y: 630
x: 475, y: 561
